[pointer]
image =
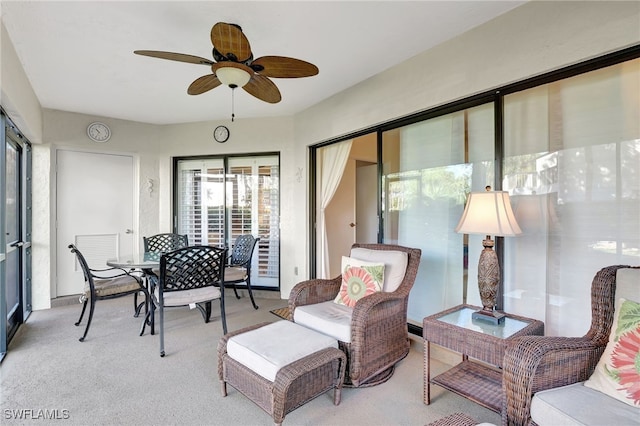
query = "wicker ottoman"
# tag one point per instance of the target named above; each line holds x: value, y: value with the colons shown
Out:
x: 280, y: 366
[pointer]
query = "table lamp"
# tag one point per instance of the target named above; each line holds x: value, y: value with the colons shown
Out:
x: 488, y: 213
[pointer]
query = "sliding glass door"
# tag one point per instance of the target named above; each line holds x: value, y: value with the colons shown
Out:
x: 566, y: 147
x: 220, y: 198
x: 572, y: 167
x: 428, y: 168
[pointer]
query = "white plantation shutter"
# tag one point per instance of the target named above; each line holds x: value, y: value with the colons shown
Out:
x: 251, y: 202
x: 201, y: 201
x: 269, y: 220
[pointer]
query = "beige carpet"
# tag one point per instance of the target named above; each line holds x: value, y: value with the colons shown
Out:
x: 116, y: 377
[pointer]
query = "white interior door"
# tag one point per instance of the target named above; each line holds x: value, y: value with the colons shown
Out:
x: 95, y: 211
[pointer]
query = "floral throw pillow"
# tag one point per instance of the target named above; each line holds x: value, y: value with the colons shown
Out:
x: 359, y: 279
x: 618, y: 371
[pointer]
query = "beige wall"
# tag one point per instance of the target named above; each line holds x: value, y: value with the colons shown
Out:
x: 532, y: 39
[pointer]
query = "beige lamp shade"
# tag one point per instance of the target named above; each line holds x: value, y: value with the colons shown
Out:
x: 488, y: 213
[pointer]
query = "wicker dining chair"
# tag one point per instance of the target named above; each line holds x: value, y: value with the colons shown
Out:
x: 378, y: 337
x: 238, y: 268
x: 535, y: 363
x: 107, y: 283
x: 190, y: 276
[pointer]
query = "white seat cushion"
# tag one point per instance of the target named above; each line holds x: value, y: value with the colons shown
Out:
x: 267, y: 349
x: 185, y: 297
x: 111, y: 286
x: 327, y: 317
x: 577, y: 404
x: 395, y: 264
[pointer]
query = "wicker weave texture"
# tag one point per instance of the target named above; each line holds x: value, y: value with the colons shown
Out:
x: 536, y: 363
x: 482, y: 346
x: 379, y: 334
x: 295, y: 384
x: 479, y: 383
x: 455, y: 419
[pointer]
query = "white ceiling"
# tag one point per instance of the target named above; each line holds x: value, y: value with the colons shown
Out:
x: 78, y: 55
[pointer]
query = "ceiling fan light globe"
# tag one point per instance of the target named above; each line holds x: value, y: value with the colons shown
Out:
x: 233, y: 77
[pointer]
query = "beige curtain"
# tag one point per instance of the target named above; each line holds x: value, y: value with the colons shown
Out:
x: 333, y: 160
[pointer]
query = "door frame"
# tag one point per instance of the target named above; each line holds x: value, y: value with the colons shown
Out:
x: 9, y: 130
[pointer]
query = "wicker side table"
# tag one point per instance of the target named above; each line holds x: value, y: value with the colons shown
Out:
x: 456, y: 330
x: 295, y: 384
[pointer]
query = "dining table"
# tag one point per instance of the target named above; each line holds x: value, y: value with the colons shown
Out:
x: 147, y: 263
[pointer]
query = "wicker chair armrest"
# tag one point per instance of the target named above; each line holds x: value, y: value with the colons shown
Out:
x: 536, y: 363
x: 378, y: 333
x: 376, y: 302
x: 313, y: 291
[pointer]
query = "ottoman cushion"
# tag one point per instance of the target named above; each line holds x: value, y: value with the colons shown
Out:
x: 267, y: 349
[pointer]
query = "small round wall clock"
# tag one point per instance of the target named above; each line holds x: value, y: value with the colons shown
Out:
x: 221, y: 134
x: 98, y: 132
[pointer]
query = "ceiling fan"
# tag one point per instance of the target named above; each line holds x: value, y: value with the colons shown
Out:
x: 234, y: 66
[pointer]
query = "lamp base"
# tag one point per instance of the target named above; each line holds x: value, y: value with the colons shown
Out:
x: 494, y: 317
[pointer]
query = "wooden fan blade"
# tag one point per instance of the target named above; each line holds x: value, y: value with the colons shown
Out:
x: 283, y: 67
x: 203, y: 84
x: 229, y: 40
x: 180, y: 57
x: 263, y: 88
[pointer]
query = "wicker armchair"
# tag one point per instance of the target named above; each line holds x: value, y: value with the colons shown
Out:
x: 535, y: 363
x: 379, y: 334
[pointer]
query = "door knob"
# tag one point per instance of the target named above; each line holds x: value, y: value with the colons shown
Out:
x: 353, y: 225
x: 129, y: 231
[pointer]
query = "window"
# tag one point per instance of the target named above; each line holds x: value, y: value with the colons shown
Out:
x: 572, y: 167
x: 219, y: 199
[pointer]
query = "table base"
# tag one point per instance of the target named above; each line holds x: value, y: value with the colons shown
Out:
x: 476, y: 382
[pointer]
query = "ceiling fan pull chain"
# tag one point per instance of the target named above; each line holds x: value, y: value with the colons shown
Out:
x: 233, y: 91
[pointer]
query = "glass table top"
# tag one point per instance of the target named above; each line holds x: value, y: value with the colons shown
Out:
x: 462, y: 318
x: 141, y: 260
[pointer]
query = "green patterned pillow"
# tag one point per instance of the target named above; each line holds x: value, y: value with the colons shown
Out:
x: 618, y: 371
x: 359, y: 279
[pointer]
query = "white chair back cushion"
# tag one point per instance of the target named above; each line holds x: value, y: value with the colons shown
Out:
x: 328, y: 318
x: 395, y: 264
x: 628, y: 284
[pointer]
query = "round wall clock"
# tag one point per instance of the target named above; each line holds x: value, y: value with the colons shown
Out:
x: 221, y: 134
x: 98, y: 132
